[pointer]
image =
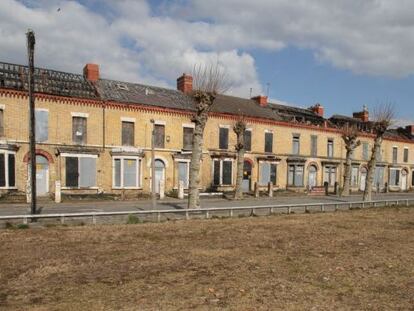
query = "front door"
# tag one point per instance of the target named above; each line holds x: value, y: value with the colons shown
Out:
x: 404, y: 176
x: 312, y: 177
x: 247, y: 175
x: 42, y: 176
x: 159, y: 174
x: 363, y: 179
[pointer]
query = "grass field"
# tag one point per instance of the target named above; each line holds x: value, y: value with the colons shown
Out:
x: 359, y: 260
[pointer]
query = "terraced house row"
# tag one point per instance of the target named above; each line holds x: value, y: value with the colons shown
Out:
x: 94, y: 136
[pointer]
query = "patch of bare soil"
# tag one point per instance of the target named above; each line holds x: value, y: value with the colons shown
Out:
x: 359, y: 260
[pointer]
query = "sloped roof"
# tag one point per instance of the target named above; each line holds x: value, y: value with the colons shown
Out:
x: 46, y: 81
x: 296, y: 114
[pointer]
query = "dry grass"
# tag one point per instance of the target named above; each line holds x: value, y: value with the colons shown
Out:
x: 360, y: 260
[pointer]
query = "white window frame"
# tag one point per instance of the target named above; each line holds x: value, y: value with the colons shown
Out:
x: 128, y: 119
x: 399, y: 179
x: 221, y: 171
x: 81, y: 155
x: 188, y: 171
x: 139, y: 172
x: 6, y: 168
x: 80, y: 114
x: 327, y: 177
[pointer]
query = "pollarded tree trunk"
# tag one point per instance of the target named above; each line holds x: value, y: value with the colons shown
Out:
x: 239, y: 128
x: 371, y: 168
x: 347, y: 173
x: 204, y: 102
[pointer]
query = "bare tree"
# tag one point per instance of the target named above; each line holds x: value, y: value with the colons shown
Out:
x: 350, y: 138
x: 383, y: 117
x: 208, y: 81
x: 239, y: 128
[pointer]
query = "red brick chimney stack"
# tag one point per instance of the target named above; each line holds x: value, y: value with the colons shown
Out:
x: 185, y: 83
x: 261, y: 100
x: 318, y: 109
x: 410, y: 129
x: 91, y: 72
x: 362, y: 115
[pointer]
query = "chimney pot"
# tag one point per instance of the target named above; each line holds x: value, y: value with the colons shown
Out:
x: 362, y: 115
x: 318, y: 109
x: 261, y: 100
x: 91, y: 72
x: 185, y: 83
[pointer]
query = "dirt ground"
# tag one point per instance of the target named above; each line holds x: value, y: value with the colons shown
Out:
x: 358, y: 260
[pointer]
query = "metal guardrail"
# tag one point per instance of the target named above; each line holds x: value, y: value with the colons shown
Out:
x: 208, y: 211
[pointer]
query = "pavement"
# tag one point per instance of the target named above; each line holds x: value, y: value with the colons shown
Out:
x: 170, y: 203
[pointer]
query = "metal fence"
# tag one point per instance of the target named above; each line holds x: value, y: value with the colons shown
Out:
x: 216, y: 211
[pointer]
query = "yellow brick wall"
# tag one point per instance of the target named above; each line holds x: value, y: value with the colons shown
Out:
x: 60, y: 135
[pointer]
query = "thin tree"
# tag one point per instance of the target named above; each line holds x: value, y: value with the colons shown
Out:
x: 208, y: 82
x: 239, y: 128
x: 351, y: 141
x: 383, y: 116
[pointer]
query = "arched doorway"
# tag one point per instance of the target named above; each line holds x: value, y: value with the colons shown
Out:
x: 404, y: 180
x: 42, y: 175
x: 159, y: 174
x: 247, y: 175
x: 312, y: 176
x: 363, y: 179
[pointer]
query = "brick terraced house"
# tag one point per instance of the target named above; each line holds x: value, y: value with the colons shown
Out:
x: 94, y: 136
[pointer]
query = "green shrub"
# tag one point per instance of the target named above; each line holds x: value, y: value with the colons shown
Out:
x: 22, y: 226
x: 132, y: 219
x: 9, y: 225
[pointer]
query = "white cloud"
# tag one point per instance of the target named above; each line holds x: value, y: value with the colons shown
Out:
x: 132, y: 42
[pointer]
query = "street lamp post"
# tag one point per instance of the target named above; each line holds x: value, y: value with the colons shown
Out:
x: 153, y: 192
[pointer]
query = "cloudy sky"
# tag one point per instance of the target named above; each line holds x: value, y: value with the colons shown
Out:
x: 342, y: 53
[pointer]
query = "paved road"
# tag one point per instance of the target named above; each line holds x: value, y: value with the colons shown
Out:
x: 107, y: 206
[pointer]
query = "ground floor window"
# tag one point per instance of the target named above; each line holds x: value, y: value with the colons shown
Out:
x: 394, y: 177
x: 378, y: 177
x: 80, y: 171
x: 354, y: 176
x: 295, y: 175
x: 7, y: 169
x: 126, y: 172
x: 268, y: 172
x: 222, y: 172
x: 330, y: 175
x: 183, y: 173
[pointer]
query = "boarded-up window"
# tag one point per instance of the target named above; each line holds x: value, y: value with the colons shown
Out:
x: 72, y: 173
x: 224, y: 138
x: 159, y: 136
x: 248, y: 140
x: 365, y: 148
x: 314, y: 146
x: 126, y: 172
x: 128, y: 133
x: 79, y: 130
x: 378, y: 176
x: 117, y: 172
x: 330, y: 148
x: 330, y: 175
x: 187, y: 138
x: 394, y: 154
x: 295, y: 175
x: 87, y: 172
x: 227, y: 172
x: 11, y: 170
x: 80, y: 172
x: 267, y: 173
x: 406, y: 155
x: 42, y: 125
x: 216, y: 172
x: 296, y: 144
x: 394, y: 177
x: 183, y: 173
x: 2, y: 171
x: 268, y: 142
x: 1, y: 122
